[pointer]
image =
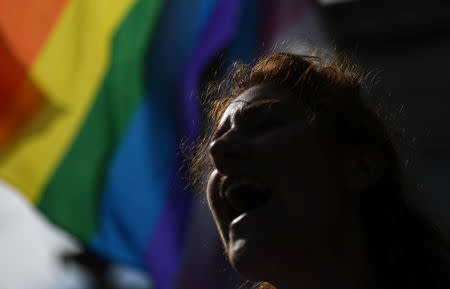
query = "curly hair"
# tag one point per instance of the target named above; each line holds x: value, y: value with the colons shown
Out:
x: 404, y: 248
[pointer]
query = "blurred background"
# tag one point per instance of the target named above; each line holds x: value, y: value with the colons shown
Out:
x: 96, y: 96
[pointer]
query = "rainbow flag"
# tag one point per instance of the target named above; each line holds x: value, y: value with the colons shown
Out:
x: 95, y: 96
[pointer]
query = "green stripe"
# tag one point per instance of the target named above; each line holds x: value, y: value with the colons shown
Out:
x: 72, y: 195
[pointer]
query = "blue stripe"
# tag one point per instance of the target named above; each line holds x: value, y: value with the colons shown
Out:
x: 138, y: 182
x: 137, y: 185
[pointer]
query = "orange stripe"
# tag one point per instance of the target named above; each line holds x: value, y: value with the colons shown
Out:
x: 26, y: 24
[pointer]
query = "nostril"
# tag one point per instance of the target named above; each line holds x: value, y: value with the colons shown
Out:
x: 228, y: 151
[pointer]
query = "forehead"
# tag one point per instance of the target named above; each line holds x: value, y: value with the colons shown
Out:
x: 261, y: 94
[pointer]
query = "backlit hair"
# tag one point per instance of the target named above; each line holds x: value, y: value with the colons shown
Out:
x: 403, y: 246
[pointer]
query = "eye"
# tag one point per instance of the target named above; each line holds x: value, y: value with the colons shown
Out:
x: 267, y: 125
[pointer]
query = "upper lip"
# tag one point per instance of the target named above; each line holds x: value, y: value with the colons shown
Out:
x: 230, y: 181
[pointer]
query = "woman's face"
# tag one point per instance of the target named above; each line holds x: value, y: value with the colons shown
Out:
x: 276, y: 190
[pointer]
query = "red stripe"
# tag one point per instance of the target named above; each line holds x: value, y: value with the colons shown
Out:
x: 11, y: 77
x: 19, y: 98
x: 27, y: 102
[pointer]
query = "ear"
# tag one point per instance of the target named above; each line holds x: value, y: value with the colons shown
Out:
x: 365, y: 169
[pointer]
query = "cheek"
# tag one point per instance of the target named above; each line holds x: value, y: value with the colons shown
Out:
x: 305, y: 178
x: 294, y: 155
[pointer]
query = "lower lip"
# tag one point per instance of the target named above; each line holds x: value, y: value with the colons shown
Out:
x: 246, y: 223
x: 238, y: 219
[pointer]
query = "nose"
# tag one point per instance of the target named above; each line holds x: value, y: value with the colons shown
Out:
x: 228, y: 153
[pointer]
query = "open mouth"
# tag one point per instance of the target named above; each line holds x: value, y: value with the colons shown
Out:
x: 243, y: 196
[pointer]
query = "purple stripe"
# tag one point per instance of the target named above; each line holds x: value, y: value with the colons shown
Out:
x: 217, y: 35
x: 164, y: 251
x: 163, y: 256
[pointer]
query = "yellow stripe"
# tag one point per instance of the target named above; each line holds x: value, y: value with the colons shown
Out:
x: 69, y: 72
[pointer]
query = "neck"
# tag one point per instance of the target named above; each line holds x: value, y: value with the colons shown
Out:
x: 341, y: 262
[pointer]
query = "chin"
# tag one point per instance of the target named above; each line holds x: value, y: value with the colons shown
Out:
x: 250, y: 262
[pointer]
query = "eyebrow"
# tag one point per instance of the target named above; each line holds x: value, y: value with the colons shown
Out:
x: 256, y: 107
x: 251, y: 108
